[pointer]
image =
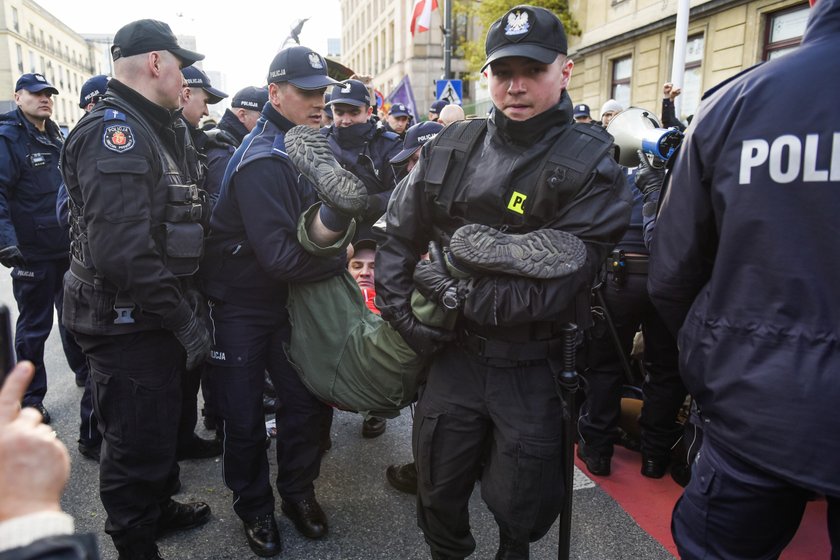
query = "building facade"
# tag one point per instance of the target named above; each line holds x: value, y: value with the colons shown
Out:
x: 376, y: 41
x: 626, y: 47
x: 32, y: 40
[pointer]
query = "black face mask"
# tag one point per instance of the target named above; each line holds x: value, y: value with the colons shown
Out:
x: 529, y: 132
x: 352, y: 136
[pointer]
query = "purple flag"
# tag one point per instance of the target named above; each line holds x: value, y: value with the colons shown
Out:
x: 405, y: 95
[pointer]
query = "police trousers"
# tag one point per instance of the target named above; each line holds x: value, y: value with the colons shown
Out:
x: 664, y: 393
x: 247, y: 343
x: 732, y: 510
x: 497, y: 422
x: 38, y: 288
x: 136, y: 382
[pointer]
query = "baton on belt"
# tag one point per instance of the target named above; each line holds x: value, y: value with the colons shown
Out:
x: 567, y: 386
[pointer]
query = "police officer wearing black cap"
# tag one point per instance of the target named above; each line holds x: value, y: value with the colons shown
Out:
x: 362, y: 148
x: 222, y: 141
x: 490, y: 409
x: 398, y: 120
x: 129, y: 297
x: 196, y: 95
x: 32, y: 243
x: 744, y: 271
x: 251, y: 257
x: 582, y: 114
x: 92, y: 91
x: 435, y: 109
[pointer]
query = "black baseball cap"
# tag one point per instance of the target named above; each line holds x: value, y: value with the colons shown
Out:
x: 582, y: 110
x: 147, y: 35
x: 350, y: 92
x: 33, y: 83
x: 365, y: 243
x: 300, y: 66
x: 250, y: 97
x: 399, y: 110
x: 415, y: 137
x: 526, y: 31
x: 438, y: 105
x: 93, y: 88
x: 195, y: 78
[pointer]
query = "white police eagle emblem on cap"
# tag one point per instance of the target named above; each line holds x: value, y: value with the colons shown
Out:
x: 517, y: 23
x: 315, y: 61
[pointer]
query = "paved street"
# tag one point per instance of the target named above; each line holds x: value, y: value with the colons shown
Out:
x: 368, y: 519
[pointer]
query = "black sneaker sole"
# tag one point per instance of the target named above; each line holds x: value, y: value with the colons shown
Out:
x: 338, y: 188
x: 542, y: 254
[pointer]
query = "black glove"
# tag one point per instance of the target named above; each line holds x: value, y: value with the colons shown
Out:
x: 648, y: 178
x: 188, y: 326
x: 11, y: 257
x: 423, y: 339
x: 432, y: 279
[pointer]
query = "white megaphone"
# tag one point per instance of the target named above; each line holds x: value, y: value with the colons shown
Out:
x: 636, y: 129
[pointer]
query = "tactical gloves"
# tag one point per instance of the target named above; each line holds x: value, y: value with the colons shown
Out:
x: 433, y: 280
x: 11, y: 257
x: 423, y: 339
x: 191, y: 330
x: 648, y: 178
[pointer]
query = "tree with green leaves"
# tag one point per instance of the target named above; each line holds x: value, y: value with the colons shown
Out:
x: 488, y: 11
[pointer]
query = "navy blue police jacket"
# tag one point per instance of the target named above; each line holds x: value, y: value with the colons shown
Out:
x: 366, y: 151
x: 744, y: 261
x: 29, y: 181
x: 252, y: 253
x: 219, y: 148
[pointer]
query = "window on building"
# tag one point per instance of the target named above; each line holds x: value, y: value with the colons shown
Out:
x: 42, y: 42
x: 15, y: 21
x: 19, y: 50
x: 692, y: 88
x: 784, y: 31
x: 32, y: 61
x: 31, y: 36
x: 622, y: 70
x: 43, y: 66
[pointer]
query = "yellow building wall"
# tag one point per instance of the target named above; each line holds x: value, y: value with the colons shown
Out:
x: 734, y: 36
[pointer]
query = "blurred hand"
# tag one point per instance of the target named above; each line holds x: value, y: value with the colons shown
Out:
x: 11, y: 257
x: 669, y: 91
x: 34, y: 465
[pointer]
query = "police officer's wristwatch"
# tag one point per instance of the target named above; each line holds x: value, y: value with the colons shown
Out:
x: 450, y: 299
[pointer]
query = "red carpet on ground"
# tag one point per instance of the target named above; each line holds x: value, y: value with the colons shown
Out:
x: 650, y: 502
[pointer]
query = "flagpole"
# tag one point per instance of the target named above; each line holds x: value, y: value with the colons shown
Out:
x: 447, y: 40
x: 680, y: 40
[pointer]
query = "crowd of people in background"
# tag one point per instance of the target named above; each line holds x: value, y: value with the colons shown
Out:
x: 172, y: 252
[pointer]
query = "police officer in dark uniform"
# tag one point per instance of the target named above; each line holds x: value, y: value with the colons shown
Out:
x: 398, y: 120
x: 361, y: 147
x: 435, y: 108
x: 32, y: 242
x: 252, y: 255
x: 196, y: 95
x: 222, y: 141
x: 624, y: 306
x: 490, y: 409
x: 743, y: 265
x: 129, y: 298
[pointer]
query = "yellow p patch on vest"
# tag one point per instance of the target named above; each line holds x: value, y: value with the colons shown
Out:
x: 517, y: 200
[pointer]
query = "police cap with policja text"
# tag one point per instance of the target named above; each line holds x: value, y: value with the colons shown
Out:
x: 526, y: 31
x: 195, y: 78
x: 415, y: 137
x: 147, y: 35
x: 252, y: 98
x: 92, y: 90
x: 300, y: 66
x: 350, y: 92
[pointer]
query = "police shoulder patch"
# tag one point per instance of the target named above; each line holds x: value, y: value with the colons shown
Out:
x: 118, y: 138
